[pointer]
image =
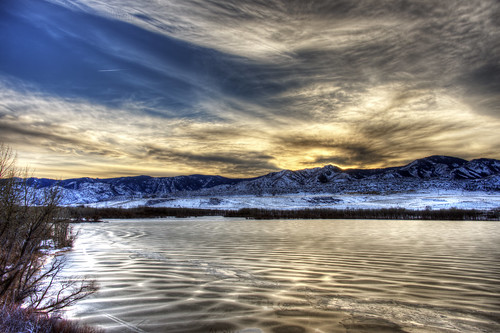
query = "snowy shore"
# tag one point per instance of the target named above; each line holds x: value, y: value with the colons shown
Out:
x: 415, y: 201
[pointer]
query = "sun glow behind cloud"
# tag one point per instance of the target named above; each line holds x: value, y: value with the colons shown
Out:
x: 110, y: 88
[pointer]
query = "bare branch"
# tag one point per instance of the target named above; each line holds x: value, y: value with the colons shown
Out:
x: 30, y: 226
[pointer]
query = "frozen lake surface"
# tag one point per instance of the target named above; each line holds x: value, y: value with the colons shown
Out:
x: 235, y: 275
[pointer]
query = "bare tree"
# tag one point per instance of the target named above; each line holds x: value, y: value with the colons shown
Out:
x: 31, y: 231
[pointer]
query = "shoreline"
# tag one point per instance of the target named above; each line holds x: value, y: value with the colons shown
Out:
x: 96, y: 215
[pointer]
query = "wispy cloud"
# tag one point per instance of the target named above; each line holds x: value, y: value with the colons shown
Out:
x: 241, y: 88
x: 112, y: 70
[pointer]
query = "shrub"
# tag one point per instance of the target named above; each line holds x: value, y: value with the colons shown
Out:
x: 31, y: 232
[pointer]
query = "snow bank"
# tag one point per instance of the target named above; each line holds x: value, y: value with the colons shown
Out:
x: 417, y: 201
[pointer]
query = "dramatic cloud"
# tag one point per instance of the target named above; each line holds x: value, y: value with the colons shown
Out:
x: 101, y: 88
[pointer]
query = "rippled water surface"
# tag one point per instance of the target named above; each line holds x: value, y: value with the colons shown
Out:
x: 235, y: 275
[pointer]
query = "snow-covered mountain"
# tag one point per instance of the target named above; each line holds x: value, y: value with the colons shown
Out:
x: 434, y: 172
x: 430, y: 173
x: 88, y: 190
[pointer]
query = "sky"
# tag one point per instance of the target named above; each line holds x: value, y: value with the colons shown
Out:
x: 109, y: 88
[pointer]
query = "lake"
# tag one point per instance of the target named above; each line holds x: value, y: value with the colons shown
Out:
x: 220, y: 275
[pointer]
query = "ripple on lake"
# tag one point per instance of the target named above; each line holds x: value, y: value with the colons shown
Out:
x: 229, y: 275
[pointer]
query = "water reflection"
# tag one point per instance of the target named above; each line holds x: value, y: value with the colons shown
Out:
x: 232, y: 275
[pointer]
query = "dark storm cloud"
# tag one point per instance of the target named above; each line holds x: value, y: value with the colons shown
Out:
x: 229, y: 162
x: 482, y: 88
x: 354, y: 151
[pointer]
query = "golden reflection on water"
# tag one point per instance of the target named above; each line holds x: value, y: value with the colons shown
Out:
x: 235, y: 275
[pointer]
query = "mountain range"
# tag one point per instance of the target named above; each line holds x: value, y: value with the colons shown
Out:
x: 430, y: 173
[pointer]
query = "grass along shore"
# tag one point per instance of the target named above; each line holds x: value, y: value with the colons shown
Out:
x: 15, y: 319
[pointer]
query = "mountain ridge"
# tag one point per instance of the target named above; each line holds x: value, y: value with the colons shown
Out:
x: 432, y: 172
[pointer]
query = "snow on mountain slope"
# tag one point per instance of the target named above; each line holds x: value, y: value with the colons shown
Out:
x: 479, y: 168
x: 433, y: 166
x: 429, y: 174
